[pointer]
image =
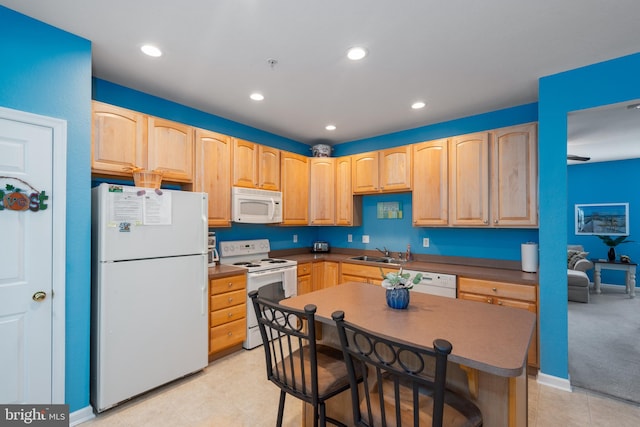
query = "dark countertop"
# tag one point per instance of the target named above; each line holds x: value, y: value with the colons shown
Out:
x: 477, y: 268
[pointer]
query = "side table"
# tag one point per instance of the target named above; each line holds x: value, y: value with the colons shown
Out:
x: 628, y: 267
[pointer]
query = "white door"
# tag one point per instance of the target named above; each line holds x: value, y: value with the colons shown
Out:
x: 26, y: 266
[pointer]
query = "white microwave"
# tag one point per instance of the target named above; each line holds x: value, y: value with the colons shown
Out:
x: 256, y: 206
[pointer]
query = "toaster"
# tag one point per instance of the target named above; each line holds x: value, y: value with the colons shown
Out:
x: 320, y: 247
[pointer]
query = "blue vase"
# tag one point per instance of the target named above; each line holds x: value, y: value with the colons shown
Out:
x: 398, y: 298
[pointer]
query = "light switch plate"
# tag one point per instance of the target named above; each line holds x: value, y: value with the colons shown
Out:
x: 349, y: 238
x: 295, y: 238
x: 425, y: 242
x: 365, y: 239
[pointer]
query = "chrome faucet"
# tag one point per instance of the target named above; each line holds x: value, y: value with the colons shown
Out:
x: 385, y: 252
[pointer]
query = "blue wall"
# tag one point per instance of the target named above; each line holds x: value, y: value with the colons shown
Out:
x: 599, y: 84
x: 605, y: 182
x: 47, y: 71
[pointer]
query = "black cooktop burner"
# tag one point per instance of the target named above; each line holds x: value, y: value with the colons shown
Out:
x: 266, y: 259
x: 277, y: 261
x: 242, y: 263
x: 253, y: 265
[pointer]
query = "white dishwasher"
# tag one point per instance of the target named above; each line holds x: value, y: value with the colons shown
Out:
x: 440, y: 284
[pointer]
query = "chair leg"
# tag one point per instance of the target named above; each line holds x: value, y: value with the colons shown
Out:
x: 322, y: 418
x: 315, y: 416
x: 283, y: 394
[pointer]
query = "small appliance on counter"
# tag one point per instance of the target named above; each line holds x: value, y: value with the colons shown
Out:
x: 320, y: 247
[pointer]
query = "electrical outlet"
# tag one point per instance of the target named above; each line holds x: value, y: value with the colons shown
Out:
x: 295, y: 238
x: 365, y: 239
x: 425, y: 242
x: 349, y: 238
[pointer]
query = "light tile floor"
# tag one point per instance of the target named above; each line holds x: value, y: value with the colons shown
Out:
x: 234, y: 392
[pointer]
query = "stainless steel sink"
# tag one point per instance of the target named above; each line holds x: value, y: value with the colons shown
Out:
x: 382, y: 260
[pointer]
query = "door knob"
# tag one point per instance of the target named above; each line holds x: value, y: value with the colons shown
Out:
x: 39, y: 296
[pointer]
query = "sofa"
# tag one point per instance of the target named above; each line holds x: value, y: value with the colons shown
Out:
x: 577, y: 279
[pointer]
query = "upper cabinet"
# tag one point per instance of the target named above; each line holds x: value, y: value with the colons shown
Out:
x: 493, y: 178
x: 469, y: 180
x: 382, y: 171
x: 322, y: 191
x: 514, y: 176
x: 295, y: 189
x: 170, y: 149
x: 123, y: 139
x: 348, y: 206
x: 430, y: 197
x: 255, y: 165
x: 213, y: 174
x: 119, y: 138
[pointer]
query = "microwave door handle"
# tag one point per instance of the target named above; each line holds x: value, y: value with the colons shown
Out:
x: 273, y: 209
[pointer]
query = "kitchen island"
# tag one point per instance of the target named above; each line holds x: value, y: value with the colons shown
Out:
x: 490, y: 343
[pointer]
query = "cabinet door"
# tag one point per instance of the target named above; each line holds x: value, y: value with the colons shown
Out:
x: 295, y: 189
x: 469, y: 180
x: 514, y: 176
x: 268, y: 168
x: 213, y: 174
x: 331, y: 274
x: 348, y: 206
x: 304, y: 284
x: 395, y: 169
x: 322, y: 191
x: 365, y: 173
x: 245, y: 163
x: 118, y: 140
x: 170, y: 149
x: 430, y: 197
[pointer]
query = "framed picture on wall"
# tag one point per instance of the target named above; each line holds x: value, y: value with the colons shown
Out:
x: 607, y: 219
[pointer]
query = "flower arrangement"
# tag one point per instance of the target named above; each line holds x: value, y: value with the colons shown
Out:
x: 399, y: 280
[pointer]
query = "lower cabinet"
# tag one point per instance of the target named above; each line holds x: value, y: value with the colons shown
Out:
x: 363, y: 273
x: 227, y: 307
x: 514, y: 295
x: 304, y: 278
x: 325, y: 275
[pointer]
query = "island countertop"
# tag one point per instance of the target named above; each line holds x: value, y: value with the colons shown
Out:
x: 493, y: 339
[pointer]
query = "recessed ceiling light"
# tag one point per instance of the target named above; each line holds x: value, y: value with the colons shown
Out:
x: 256, y: 96
x: 356, y: 53
x: 330, y: 127
x: 418, y: 105
x: 151, y: 50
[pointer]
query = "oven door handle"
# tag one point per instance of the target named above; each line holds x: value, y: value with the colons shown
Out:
x: 273, y: 209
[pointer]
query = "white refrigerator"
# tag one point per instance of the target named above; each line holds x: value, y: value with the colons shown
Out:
x: 149, y: 321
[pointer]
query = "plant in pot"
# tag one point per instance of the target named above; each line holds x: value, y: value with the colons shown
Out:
x: 397, y: 286
x: 612, y: 243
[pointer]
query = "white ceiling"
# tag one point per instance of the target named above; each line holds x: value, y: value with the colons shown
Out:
x: 461, y: 57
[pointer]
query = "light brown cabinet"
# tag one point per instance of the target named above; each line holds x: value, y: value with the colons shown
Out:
x: 348, y: 206
x: 514, y: 176
x: 322, y: 191
x: 493, y: 178
x: 119, y: 140
x: 514, y: 295
x: 213, y: 174
x: 382, y: 171
x: 295, y: 189
x: 469, y: 180
x: 326, y: 274
x: 363, y: 273
x: 170, y: 149
x: 227, y: 307
x: 430, y: 197
x: 304, y: 278
x: 123, y: 139
x: 255, y: 165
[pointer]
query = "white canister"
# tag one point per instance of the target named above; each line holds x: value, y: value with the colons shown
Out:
x: 529, y: 256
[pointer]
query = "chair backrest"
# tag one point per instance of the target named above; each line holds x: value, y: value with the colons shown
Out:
x: 289, y: 342
x: 399, y: 380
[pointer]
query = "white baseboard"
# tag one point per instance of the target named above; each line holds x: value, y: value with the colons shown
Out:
x: 555, y: 382
x: 81, y: 415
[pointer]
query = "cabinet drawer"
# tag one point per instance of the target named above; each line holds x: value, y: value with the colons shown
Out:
x: 304, y: 269
x: 348, y: 269
x: 227, y: 335
x: 226, y: 284
x: 228, y: 299
x: 498, y: 289
x: 236, y: 312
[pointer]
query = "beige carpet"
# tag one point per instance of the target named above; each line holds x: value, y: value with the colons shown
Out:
x: 604, y: 344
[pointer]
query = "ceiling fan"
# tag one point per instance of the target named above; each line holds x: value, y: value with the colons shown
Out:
x: 578, y: 158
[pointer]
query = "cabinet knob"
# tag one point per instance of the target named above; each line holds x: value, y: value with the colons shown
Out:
x: 230, y: 299
x: 494, y: 289
x: 230, y: 284
x: 229, y: 314
x: 489, y: 300
x: 229, y: 333
x: 495, y: 221
x: 499, y: 302
x: 485, y: 221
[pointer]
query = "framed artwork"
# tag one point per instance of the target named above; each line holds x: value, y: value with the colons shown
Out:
x: 606, y: 219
